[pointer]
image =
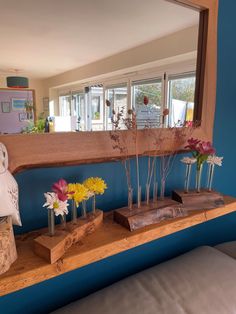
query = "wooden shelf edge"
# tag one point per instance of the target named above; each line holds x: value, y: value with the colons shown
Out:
x: 108, y: 240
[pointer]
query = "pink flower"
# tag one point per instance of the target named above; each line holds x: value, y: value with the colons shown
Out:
x: 60, y: 188
x: 193, y: 144
x: 206, y: 148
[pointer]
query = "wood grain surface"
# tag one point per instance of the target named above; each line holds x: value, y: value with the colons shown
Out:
x: 8, y: 253
x: 109, y: 239
x: 53, y: 248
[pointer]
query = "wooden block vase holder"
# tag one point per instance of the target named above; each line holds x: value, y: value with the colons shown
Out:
x: 8, y: 253
x: 194, y: 200
x: 137, y: 218
x: 52, y: 248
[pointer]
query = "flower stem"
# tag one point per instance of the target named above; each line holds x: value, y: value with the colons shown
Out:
x: 187, y: 178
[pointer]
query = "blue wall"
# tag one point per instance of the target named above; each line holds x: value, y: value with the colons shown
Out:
x: 63, y: 289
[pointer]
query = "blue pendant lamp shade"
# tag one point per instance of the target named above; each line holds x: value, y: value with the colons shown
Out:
x: 17, y: 82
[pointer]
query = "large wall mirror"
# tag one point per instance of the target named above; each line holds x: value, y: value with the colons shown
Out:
x: 86, y: 63
x: 165, y: 31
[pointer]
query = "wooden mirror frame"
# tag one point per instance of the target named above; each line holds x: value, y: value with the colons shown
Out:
x: 60, y: 149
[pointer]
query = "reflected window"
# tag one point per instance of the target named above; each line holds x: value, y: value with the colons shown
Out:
x: 117, y: 97
x: 97, y: 107
x: 147, y: 101
x: 80, y: 110
x: 181, y: 91
x: 65, y: 105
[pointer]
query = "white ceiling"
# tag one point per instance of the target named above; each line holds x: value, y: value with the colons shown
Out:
x: 47, y: 37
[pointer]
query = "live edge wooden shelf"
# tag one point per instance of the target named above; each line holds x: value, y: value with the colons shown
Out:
x: 108, y: 240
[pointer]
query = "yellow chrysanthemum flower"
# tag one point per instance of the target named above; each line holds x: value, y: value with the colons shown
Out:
x: 95, y: 185
x: 78, y: 192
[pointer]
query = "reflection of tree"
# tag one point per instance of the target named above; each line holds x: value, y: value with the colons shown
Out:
x: 183, y: 89
x: 152, y: 91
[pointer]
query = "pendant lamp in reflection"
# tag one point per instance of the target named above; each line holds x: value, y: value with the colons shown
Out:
x: 17, y: 81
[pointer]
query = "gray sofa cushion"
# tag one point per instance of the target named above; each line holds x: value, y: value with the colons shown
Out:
x: 202, y: 281
x: 228, y: 248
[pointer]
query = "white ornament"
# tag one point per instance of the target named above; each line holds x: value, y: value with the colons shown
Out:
x: 188, y: 160
x: 9, y: 194
x: 215, y: 160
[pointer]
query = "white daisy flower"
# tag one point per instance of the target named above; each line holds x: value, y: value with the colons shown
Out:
x: 188, y: 160
x: 215, y: 160
x: 53, y: 202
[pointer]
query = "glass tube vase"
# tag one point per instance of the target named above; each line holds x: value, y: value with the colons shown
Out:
x: 187, y: 178
x: 211, y: 169
x: 84, y: 209
x: 94, y: 204
x: 130, y: 198
x: 163, y: 188
x: 74, y: 212
x: 139, y: 197
x: 155, y: 192
x: 147, y: 194
x: 63, y: 221
x: 51, y: 222
x: 198, y: 178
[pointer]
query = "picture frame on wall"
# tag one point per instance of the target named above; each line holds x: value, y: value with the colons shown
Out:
x: 23, y: 116
x: 18, y: 104
x: 6, y: 106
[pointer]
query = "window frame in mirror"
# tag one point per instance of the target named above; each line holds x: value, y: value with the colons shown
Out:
x: 58, y: 149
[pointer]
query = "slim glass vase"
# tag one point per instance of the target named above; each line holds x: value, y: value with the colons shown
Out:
x: 130, y: 198
x: 51, y: 222
x: 139, y: 197
x: 210, y: 176
x: 147, y: 194
x: 163, y: 187
x: 187, y: 178
x: 198, y: 178
x: 155, y: 192
x: 84, y: 209
x: 74, y: 212
x: 94, y: 204
x: 63, y: 221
